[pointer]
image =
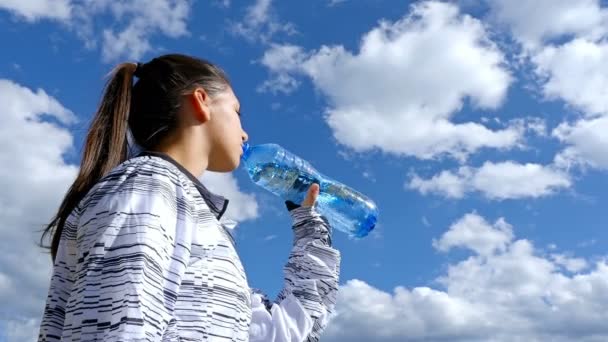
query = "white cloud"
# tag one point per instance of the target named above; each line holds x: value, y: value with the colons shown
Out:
x: 335, y: 2
x: 36, y: 10
x: 534, y: 23
x: 385, y: 96
x: 258, y: 13
x: 22, y: 330
x: 472, y: 231
x: 513, y: 293
x: 447, y: 183
x: 571, y: 264
x: 537, y: 126
x: 242, y: 206
x: 498, y: 181
x: 512, y: 180
x: 133, y: 24
x: 139, y: 20
x: 575, y: 72
x: 587, y: 143
x: 282, y: 59
x: 33, y: 180
x: 567, y: 48
x: 270, y: 237
x: 587, y: 243
x: 369, y: 175
x: 261, y: 23
x: 280, y: 83
x: 129, y: 42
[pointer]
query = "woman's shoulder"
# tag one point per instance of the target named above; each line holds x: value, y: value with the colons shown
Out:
x: 142, y: 174
x: 149, y: 167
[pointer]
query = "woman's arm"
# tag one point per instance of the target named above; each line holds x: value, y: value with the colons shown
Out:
x: 302, y: 308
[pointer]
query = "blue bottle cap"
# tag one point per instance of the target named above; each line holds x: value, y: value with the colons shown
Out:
x: 368, y: 225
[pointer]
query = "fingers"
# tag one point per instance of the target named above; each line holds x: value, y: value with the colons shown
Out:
x: 311, y: 195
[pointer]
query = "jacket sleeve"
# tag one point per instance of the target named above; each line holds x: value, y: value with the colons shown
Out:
x: 302, y: 308
x: 133, y: 248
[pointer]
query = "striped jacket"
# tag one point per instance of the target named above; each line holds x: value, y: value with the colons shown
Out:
x: 147, y: 256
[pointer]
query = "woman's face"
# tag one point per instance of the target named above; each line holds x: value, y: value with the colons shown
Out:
x: 225, y: 131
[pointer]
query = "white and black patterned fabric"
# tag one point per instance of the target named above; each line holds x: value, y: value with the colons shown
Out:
x: 147, y: 256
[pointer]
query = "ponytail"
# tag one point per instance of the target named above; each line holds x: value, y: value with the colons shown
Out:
x: 104, y: 149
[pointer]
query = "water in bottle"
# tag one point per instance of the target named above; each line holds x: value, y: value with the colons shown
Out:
x: 288, y: 176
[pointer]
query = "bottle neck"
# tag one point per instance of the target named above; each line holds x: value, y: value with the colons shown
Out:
x: 246, y: 152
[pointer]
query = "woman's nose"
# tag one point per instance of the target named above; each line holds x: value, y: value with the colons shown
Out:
x: 245, y: 136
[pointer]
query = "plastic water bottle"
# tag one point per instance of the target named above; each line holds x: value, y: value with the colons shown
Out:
x: 288, y: 176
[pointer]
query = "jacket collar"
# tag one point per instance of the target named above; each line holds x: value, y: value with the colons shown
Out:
x: 218, y: 204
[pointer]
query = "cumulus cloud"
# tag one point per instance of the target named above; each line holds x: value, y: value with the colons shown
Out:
x: 386, y: 95
x: 476, y: 234
x: 261, y: 23
x: 571, y: 264
x: 41, y: 9
x: 536, y: 23
x: 34, y: 177
x: 22, y: 330
x: 497, y: 181
x: 566, y: 46
x: 282, y: 59
x: 141, y: 19
x: 575, y: 72
x: 506, y: 290
x: 587, y: 143
x: 449, y: 184
x: 128, y: 36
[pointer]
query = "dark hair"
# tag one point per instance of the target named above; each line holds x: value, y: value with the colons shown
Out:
x: 148, y: 108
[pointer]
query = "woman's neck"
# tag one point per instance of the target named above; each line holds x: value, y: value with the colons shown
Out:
x: 188, y: 151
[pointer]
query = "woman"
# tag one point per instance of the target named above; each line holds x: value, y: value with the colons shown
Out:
x: 140, y: 250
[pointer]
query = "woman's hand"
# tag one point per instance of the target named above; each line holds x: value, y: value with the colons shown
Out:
x: 309, y: 200
x: 311, y: 196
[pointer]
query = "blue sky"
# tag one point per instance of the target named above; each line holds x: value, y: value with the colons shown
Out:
x: 478, y: 127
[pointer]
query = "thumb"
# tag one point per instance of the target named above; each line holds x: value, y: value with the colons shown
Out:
x: 311, y: 196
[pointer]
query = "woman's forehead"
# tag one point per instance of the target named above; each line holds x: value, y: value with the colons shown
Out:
x: 228, y: 96
x: 234, y: 98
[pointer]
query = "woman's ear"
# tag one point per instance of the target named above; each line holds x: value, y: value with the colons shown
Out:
x: 201, y: 104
